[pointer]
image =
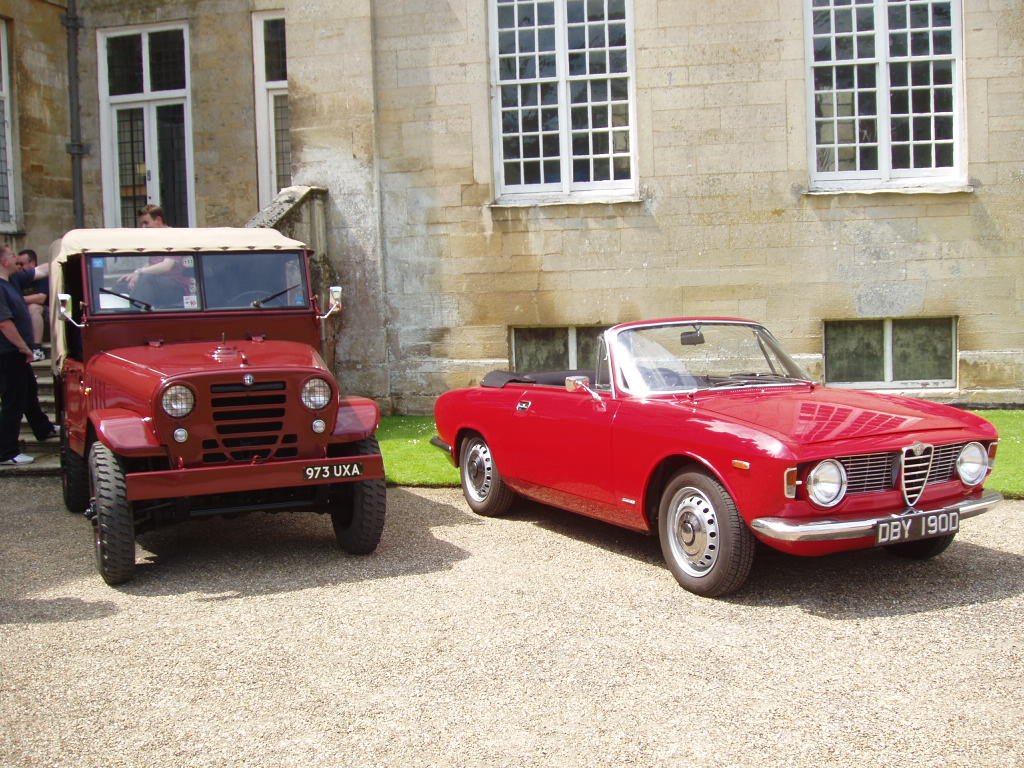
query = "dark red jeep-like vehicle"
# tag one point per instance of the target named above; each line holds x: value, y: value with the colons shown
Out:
x: 190, y: 383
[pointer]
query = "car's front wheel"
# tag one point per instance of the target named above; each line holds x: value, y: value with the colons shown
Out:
x: 485, y: 491
x: 359, y: 519
x: 705, y: 542
x: 922, y: 549
x: 112, y: 519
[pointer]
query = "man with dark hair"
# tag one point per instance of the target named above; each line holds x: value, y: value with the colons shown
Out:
x: 152, y: 216
x: 19, y: 393
x: 37, y: 296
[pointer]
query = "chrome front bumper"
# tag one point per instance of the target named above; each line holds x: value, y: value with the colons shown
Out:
x: 794, y: 529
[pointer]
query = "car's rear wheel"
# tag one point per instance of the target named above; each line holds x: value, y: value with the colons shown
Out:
x: 485, y: 491
x: 922, y: 549
x: 74, y: 477
x: 112, y: 519
x: 359, y: 520
x: 705, y: 542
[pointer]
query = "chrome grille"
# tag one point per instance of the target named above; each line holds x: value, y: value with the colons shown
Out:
x: 944, y: 463
x: 876, y: 472
x: 248, y: 422
x: 871, y: 472
x: 917, y: 463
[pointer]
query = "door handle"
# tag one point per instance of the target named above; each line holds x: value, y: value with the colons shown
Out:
x: 523, y: 406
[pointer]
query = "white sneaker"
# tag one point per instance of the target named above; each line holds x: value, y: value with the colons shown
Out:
x: 21, y: 458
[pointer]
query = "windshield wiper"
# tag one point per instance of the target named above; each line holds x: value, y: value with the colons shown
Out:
x: 743, y: 379
x: 258, y: 303
x: 143, y: 305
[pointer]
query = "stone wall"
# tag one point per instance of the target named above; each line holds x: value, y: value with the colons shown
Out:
x: 725, y: 225
x: 222, y: 109
x: 39, y: 73
x: 390, y: 113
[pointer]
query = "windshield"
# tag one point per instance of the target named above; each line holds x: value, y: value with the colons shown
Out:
x: 177, y: 282
x: 688, y: 356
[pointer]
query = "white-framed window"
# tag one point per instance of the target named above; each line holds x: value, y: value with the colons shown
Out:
x: 146, y: 124
x: 563, y: 100
x: 273, y: 137
x: 885, y: 83
x: 891, y: 352
x: 8, y: 178
x: 554, y: 348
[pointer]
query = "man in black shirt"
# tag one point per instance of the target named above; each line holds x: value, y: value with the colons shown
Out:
x: 19, y: 394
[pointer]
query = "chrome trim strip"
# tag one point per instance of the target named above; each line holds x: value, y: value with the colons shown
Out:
x: 793, y: 529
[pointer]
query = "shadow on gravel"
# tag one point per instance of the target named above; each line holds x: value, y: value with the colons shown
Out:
x: 59, y: 610
x: 873, y: 583
x: 850, y: 585
x: 264, y: 553
x: 45, y: 548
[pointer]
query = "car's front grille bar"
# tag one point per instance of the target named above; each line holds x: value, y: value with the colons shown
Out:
x: 877, y: 472
x: 248, y: 422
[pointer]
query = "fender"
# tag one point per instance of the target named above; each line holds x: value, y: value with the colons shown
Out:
x: 358, y: 417
x: 125, y: 432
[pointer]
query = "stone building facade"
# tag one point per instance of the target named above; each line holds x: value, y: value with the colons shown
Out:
x: 505, y: 177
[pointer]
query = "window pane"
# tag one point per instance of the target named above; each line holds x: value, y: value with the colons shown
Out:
x: 167, y: 60
x: 282, y: 142
x: 540, y: 349
x: 170, y: 130
x: 854, y: 351
x: 5, y: 171
x: 131, y: 163
x: 275, y: 57
x: 566, y: 59
x: 917, y: 48
x: 124, y: 65
x: 922, y: 349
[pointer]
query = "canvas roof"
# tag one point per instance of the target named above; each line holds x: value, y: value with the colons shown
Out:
x: 170, y: 240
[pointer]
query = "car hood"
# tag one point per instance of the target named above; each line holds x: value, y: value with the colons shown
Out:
x: 168, y: 360
x: 817, y: 414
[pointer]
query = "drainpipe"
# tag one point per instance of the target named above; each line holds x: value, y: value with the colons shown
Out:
x: 75, y: 148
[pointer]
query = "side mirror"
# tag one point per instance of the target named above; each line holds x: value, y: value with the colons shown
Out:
x: 334, y: 302
x: 66, y: 307
x: 578, y: 383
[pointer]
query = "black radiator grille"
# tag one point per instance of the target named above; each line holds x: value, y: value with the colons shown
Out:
x: 249, y: 423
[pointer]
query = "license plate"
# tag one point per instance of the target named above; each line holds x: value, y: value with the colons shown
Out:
x: 344, y: 471
x: 921, y: 525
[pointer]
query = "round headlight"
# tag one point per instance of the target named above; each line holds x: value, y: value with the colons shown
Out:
x: 316, y: 393
x: 972, y: 463
x: 826, y: 483
x: 178, y: 401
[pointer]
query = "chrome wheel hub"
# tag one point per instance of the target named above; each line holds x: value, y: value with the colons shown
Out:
x: 693, y: 532
x: 478, y: 471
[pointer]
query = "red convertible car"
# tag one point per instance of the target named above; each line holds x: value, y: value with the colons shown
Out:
x: 706, y: 432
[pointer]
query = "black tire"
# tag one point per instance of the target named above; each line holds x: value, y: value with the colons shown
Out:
x: 704, y: 541
x: 74, y: 477
x: 358, y: 515
x: 922, y: 549
x: 113, y: 522
x: 485, y: 491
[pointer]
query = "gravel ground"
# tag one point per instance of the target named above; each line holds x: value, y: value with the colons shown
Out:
x: 540, y: 639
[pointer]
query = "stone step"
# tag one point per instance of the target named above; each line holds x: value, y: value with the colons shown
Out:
x: 34, y: 447
x: 44, y: 465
